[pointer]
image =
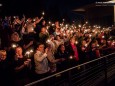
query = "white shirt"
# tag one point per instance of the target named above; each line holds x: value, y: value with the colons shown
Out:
x: 41, y: 63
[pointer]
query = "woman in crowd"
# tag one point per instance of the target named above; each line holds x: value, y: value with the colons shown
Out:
x: 62, y: 54
x: 58, y: 41
x: 73, y: 51
x: 57, y: 28
x: 22, y: 66
x: 14, y: 42
x: 83, y: 51
x: 15, y: 39
x: 52, y: 43
x: 103, y: 47
x: 94, y: 51
x: 52, y: 60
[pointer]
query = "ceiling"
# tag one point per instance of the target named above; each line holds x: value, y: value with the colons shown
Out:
x: 53, y: 7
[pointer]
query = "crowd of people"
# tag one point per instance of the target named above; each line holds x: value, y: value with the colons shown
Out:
x: 31, y: 48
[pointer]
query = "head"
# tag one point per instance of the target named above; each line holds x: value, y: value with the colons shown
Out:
x: 43, y: 29
x: 109, y: 42
x: 93, y: 45
x: 3, y: 55
x: 18, y: 51
x: 83, y: 43
x: 41, y: 47
x: 15, y: 37
x: 96, y: 42
x: 103, y: 41
x: 62, y: 47
x: 57, y: 23
x: 57, y: 37
x: 72, y: 40
x: 43, y: 22
x: 51, y: 37
x: 29, y: 20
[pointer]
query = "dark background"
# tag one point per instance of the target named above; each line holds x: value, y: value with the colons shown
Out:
x: 54, y: 9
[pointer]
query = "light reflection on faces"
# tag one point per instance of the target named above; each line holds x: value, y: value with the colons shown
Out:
x: 2, y: 54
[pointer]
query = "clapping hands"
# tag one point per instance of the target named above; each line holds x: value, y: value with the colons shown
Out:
x: 27, y: 62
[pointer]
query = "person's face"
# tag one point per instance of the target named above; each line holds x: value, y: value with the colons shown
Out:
x: 16, y: 38
x: 83, y: 43
x: 52, y: 38
x: 19, y: 51
x: 62, y: 48
x: 109, y: 42
x: 103, y: 41
x: 29, y: 20
x: 86, y: 35
x: 58, y: 38
x: 40, y: 48
x: 57, y: 23
x: 72, y: 40
x: 3, y: 56
x: 43, y: 23
x: 43, y: 30
x: 93, y: 45
x: 96, y: 42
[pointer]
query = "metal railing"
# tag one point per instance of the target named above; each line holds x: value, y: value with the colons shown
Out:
x: 97, y: 72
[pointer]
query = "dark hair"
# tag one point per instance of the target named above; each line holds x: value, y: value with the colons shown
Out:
x: 56, y: 37
x: 39, y: 44
x: 18, y: 47
x: 58, y: 49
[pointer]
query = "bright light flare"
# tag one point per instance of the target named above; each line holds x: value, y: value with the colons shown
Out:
x: 0, y: 5
x: 14, y: 45
x: 71, y: 57
x: 43, y: 13
x: 76, y: 42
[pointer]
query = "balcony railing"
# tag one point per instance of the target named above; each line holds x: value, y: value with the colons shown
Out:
x: 97, y: 72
